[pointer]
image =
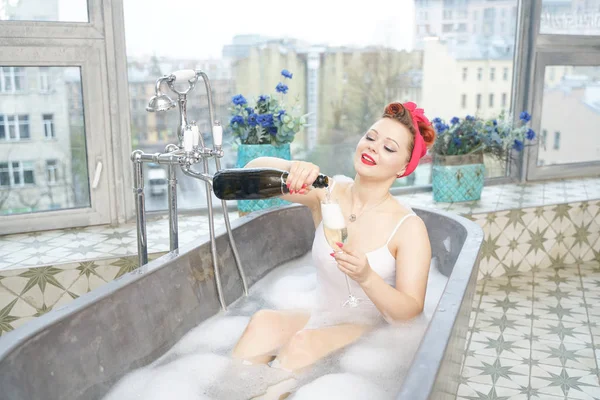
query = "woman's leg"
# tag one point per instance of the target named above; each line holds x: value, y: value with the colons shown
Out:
x: 266, y: 332
x: 308, y: 346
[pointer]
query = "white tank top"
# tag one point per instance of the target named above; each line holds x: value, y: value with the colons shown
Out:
x: 332, y: 291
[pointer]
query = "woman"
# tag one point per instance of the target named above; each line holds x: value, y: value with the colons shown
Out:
x: 387, y: 255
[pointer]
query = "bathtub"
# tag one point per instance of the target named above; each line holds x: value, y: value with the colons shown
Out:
x: 81, y: 350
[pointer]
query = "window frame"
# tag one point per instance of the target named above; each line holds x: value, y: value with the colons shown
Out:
x: 97, y: 47
x: 546, y: 50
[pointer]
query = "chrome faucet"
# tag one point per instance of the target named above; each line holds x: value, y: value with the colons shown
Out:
x: 189, y: 150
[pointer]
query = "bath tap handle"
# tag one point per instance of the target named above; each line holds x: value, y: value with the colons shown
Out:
x: 188, y: 140
x: 196, y: 135
x: 184, y: 75
x: 217, y: 134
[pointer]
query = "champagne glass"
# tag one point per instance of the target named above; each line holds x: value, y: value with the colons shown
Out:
x: 334, y: 226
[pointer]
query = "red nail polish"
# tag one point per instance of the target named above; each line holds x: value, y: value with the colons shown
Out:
x: 339, y: 244
x: 332, y: 254
x: 304, y: 186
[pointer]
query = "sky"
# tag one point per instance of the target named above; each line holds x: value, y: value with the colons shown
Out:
x: 199, y: 29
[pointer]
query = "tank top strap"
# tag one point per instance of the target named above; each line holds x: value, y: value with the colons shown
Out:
x: 398, y: 225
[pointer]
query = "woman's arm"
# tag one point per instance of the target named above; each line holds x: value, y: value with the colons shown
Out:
x: 413, y: 259
x: 301, y: 175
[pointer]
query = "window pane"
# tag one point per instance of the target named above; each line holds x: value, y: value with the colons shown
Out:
x: 575, y: 93
x: 44, y: 10
x: 570, y: 17
x: 28, y: 177
x: 341, y: 77
x: 33, y: 115
x: 24, y: 127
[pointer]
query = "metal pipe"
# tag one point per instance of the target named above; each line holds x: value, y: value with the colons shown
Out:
x: 203, y: 177
x: 213, y: 242
x: 234, y: 249
x: 172, y: 198
x: 171, y: 158
x: 182, y: 102
x: 211, y: 224
x: 140, y: 207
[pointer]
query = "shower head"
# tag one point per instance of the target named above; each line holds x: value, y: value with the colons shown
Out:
x: 160, y: 102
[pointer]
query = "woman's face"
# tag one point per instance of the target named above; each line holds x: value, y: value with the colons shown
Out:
x: 382, y: 152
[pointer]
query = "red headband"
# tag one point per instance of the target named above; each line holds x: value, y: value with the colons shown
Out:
x: 420, y: 148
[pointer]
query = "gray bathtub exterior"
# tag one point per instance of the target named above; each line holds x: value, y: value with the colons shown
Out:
x: 81, y: 350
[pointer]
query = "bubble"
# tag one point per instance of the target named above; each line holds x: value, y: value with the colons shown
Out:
x: 340, y: 387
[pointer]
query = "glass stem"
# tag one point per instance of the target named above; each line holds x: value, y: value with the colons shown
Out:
x: 348, y: 286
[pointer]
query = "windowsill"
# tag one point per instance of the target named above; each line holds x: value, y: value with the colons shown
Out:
x: 96, y: 242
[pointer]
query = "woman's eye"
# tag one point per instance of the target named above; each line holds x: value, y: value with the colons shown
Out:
x: 370, y: 138
x: 390, y: 150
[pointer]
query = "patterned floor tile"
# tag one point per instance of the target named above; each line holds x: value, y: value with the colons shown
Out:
x: 560, y: 381
x: 500, y: 345
x: 548, y: 330
x: 564, y: 354
x: 501, y: 323
x: 476, y: 391
x: 500, y: 372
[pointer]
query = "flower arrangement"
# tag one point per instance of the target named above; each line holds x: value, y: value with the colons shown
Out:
x: 268, y: 120
x: 494, y: 136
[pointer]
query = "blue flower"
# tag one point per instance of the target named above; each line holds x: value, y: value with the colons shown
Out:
x: 281, y: 88
x: 252, y: 119
x: 495, y: 122
x: 263, y: 98
x: 440, y: 127
x: 280, y: 115
x: 265, y: 120
x: 286, y: 73
x: 436, y: 120
x: 239, y: 100
x: 237, y: 119
x: 272, y: 130
x: 457, y: 142
x: 470, y: 118
x: 518, y: 145
x: 250, y: 110
x: 525, y: 116
x: 530, y: 134
x: 455, y: 120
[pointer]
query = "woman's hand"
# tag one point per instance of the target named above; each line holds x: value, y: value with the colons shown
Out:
x: 302, y: 175
x: 353, y: 263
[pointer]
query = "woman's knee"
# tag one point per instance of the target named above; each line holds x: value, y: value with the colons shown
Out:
x: 301, y: 342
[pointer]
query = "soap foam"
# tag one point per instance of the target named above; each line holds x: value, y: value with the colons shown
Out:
x: 200, y: 367
x: 333, y: 218
x: 341, y: 387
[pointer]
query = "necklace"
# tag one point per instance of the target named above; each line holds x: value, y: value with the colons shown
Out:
x: 353, y: 217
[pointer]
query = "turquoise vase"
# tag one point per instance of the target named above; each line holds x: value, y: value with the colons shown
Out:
x: 458, y: 178
x: 249, y: 152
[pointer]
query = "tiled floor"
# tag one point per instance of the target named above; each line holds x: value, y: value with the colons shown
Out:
x: 535, y: 335
x: 96, y: 242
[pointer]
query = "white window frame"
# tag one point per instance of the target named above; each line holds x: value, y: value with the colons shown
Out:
x: 45, y: 81
x: 12, y: 76
x: 49, y: 132
x: 51, y: 172
x: 18, y: 169
x: 15, y: 125
x: 98, y: 49
x: 536, y: 52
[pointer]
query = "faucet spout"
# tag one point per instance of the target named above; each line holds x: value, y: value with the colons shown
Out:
x: 198, y: 175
